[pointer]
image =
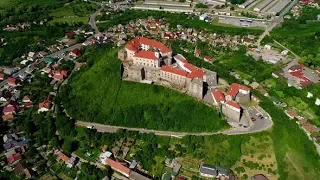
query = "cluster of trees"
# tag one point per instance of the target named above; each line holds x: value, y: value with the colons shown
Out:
x: 237, y: 1
x: 302, y: 37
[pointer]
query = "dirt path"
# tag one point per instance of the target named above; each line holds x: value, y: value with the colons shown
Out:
x: 298, y: 170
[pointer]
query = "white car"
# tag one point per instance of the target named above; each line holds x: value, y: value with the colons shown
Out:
x: 90, y: 127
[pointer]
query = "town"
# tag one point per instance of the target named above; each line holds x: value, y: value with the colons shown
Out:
x: 177, y: 100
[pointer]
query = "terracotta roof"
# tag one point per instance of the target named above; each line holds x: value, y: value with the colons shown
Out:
x: 8, y: 109
x: 135, y: 43
x: 63, y: 157
x: 195, y: 71
x: 174, y: 70
x: 76, y: 52
x: 234, y: 89
x: 207, y: 58
x: 292, y: 112
x: 302, y: 121
x: 70, y: 34
x: 1, y: 75
x: 218, y: 95
x: 7, y: 117
x: 233, y: 104
x: 26, y: 99
x: 146, y: 55
x: 45, y: 104
x: 29, y: 104
x: 14, y: 157
x: 118, y: 166
x: 11, y: 80
x: 309, y: 127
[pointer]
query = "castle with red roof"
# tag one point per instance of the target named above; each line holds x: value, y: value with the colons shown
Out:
x: 147, y: 59
x: 229, y: 103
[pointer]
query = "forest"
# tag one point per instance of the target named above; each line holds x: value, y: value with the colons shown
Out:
x: 98, y: 94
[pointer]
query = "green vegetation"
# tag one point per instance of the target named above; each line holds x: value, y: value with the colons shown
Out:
x: 302, y: 37
x: 74, y: 12
x: 98, y: 94
x: 174, y: 19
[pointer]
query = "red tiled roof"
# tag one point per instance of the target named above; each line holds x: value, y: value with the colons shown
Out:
x: 218, y: 95
x: 135, y: 43
x: 76, y: 53
x: 11, y: 80
x: 8, y: 109
x: 207, y: 58
x: 234, y: 89
x: 233, y: 104
x: 309, y: 127
x: 7, y: 117
x: 26, y: 99
x: 174, y: 70
x: 45, y: 104
x: 118, y: 166
x: 1, y: 76
x: 63, y: 157
x: 70, y: 34
x: 14, y: 157
x: 195, y: 71
x: 29, y: 104
x: 146, y: 55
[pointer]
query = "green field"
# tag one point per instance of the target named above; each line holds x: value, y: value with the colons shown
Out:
x: 6, y: 3
x: 70, y: 20
x: 99, y: 95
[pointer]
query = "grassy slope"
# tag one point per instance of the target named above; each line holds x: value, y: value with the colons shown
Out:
x: 5, y: 3
x: 100, y: 95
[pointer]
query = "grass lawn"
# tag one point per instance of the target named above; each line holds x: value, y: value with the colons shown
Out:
x: 64, y: 177
x: 98, y: 94
x: 47, y: 176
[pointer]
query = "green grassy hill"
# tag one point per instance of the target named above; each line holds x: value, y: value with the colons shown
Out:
x: 99, y: 95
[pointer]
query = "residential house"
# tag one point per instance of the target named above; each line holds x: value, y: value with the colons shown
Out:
x: 70, y: 34
x: 26, y: 99
x: 42, y: 54
x: 291, y: 113
x: 69, y: 161
x: 59, y: 75
x: 75, y: 53
x: 13, y: 157
x: 1, y: 76
x: 31, y: 56
x: 309, y: 128
x: 12, y: 81
x: 9, y: 110
x: 137, y: 176
x: 119, y: 167
x: 9, y: 137
x: 45, y: 105
x: 7, y: 117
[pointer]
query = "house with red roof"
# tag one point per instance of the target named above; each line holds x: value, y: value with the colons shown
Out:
x: 208, y: 59
x: 59, y: 75
x: 9, y: 110
x: 45, y: 105
x: 12, y: 81
x: 117, y: 166
x: 75, y: 53
x: 26, y: 99
x: 218, y: 96
x: 238, y: 93
x: 197, y: 52
x: 70, y: 34
x: 13, y: 157
x: 1, y: 76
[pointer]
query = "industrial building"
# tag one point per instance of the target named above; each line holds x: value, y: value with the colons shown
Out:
x: 262, y: 5
x: 166, y: 3
x: 279, y: 6
x: 246, y: 4
x: 164, y: 8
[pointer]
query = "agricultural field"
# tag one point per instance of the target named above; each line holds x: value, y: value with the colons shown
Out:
x: 99, y: 95
x: 73, y: 13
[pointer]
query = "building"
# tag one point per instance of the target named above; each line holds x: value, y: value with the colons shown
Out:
x: 203, y: 17
x: 246, y: 4
x: 218, y: 97
x: 12, y: 81
x: 137, y: 176
x: 211, y: 171
x: 262, y: 5
x: 238, y: 93
x: 75, y: 53
x: 117, y: 166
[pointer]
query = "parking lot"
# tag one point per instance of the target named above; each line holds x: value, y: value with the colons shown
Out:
x: 259, y: 119
x: 243, y: 22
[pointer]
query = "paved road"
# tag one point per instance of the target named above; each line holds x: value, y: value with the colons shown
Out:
x: 92, y: 21
x: 277, y: 21
x: 113, y: 129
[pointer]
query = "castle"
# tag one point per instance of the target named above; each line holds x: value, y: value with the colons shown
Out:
x: 147, y: 59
